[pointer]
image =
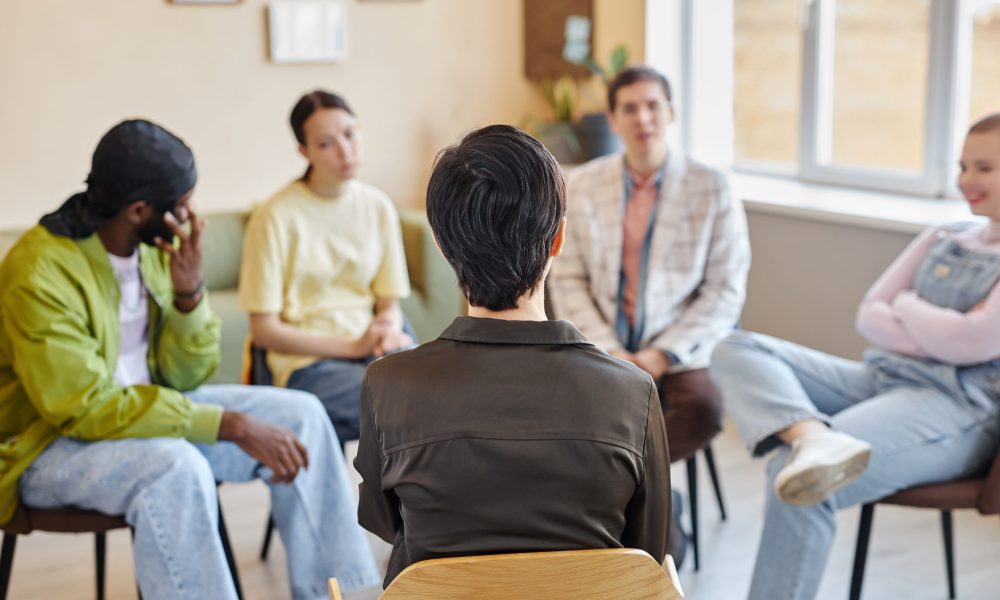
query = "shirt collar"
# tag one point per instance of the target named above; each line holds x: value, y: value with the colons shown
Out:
x: 499, y: 331
x: 639, y: 182
x: 633, y: 182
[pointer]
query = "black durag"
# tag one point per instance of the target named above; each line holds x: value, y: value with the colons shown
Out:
x: 136, y: 160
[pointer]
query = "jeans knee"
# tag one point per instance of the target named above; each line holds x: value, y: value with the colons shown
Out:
x: 729, y: 350
x: 177, y: 465
x: 306, y: 404
x: 296, y: 410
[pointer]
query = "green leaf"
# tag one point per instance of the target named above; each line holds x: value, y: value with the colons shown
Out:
x: 548, y: 91
x: 595, y: 68
x: 618, y: 61
x: 565, y: 94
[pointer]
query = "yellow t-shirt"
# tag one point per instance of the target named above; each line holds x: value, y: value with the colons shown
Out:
x: 321, y: 263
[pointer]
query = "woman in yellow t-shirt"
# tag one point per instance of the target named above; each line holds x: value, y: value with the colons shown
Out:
x: 323, y: 267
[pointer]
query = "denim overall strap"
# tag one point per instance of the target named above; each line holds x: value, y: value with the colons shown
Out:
x: 952, y: 276
x: 955, y: 277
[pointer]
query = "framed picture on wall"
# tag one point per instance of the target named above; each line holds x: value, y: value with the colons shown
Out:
x: 306, y: 31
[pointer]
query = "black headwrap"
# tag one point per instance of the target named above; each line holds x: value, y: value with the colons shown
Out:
x: 136, y: 160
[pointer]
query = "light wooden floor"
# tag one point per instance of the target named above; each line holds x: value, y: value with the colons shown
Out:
x: 905, y: 559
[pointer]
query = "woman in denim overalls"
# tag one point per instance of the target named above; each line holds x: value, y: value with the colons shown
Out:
x: 921, y: 408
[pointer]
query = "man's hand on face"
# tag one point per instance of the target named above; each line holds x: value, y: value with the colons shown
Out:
x: 274, y: 447
x: 185, y: 260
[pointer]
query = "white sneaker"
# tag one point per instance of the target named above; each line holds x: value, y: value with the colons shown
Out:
x: 819, y: 465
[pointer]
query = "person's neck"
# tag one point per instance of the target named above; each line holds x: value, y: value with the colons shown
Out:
x: 328, y: 188
x: 117, y: 241
x: 530, y: 307
x: 645, y: 165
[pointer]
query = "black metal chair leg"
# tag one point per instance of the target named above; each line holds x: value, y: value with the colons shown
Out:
x: 228, y: 549
x: 100, y: 554
x: 265, y: 546
x: 949, y: 551
x: 138, y: 590
x: 710, y: 459
x: 6, y: 562
x: 692, y: 473
x: 861, y: 551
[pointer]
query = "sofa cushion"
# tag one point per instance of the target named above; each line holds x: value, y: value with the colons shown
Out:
x: 435, y: 299
x: 235, y: 327
x: 222, y: 249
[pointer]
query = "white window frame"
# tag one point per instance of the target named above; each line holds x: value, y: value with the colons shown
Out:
x: 700, y: 79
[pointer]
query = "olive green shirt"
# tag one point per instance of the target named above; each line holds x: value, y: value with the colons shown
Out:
x: 59, y: 332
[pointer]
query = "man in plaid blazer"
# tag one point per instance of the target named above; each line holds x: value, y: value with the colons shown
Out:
x: 656, y: 259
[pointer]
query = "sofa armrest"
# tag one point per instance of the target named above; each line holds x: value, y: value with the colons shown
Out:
x: 222, y: 250
x: 435, y: 299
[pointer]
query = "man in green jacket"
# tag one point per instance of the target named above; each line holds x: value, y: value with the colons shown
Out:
x: 106, y: 335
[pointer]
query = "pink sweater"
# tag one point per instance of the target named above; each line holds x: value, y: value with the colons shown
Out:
x: 893, y: 317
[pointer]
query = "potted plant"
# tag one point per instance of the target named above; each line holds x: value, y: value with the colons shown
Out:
x: 592, y: 130
x: 559, y: 135
x: 575, y: 140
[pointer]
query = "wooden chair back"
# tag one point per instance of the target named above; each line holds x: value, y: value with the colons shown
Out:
x: 605, y: 574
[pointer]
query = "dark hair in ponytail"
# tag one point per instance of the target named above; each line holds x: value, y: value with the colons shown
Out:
x: 306, y: 106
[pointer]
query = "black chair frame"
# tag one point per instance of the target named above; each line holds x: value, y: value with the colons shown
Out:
x: 100, y: 559
x: 692, y: 481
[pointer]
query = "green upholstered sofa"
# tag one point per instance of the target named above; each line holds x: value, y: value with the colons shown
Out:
x: 435, y: 300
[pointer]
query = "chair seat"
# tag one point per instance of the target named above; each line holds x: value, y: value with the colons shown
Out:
x: 62, y: 520
x: 951, y: 495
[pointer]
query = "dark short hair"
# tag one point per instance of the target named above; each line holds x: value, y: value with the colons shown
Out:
x: 310, y: 103
x: 632, y: 75
x: 988, y: 124
x: 495, y: 202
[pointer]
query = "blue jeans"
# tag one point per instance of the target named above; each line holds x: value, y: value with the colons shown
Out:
x: 337, y: 384
x: 919, y: 434
x: 165, y: 487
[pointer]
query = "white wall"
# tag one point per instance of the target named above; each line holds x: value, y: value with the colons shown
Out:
x: 418, y: 74
x: 808, y: 277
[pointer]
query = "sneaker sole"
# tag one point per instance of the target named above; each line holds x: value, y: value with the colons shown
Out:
x: 813, y: 485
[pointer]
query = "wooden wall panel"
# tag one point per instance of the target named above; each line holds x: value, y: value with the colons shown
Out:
x: 544, y: 24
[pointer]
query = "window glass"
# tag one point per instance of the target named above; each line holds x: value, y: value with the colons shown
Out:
x: 879, y: 92
x: 767, y: 65
x: 985, y: 77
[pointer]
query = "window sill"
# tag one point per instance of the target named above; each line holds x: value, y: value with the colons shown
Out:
x: 871, y: 210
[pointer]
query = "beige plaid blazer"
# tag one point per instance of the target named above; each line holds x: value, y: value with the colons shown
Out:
x: 698, y: 260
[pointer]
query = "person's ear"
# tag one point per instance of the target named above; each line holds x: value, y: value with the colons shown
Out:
x: 302, y: 151
x: 137, y: 212
x: 559, y: 241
